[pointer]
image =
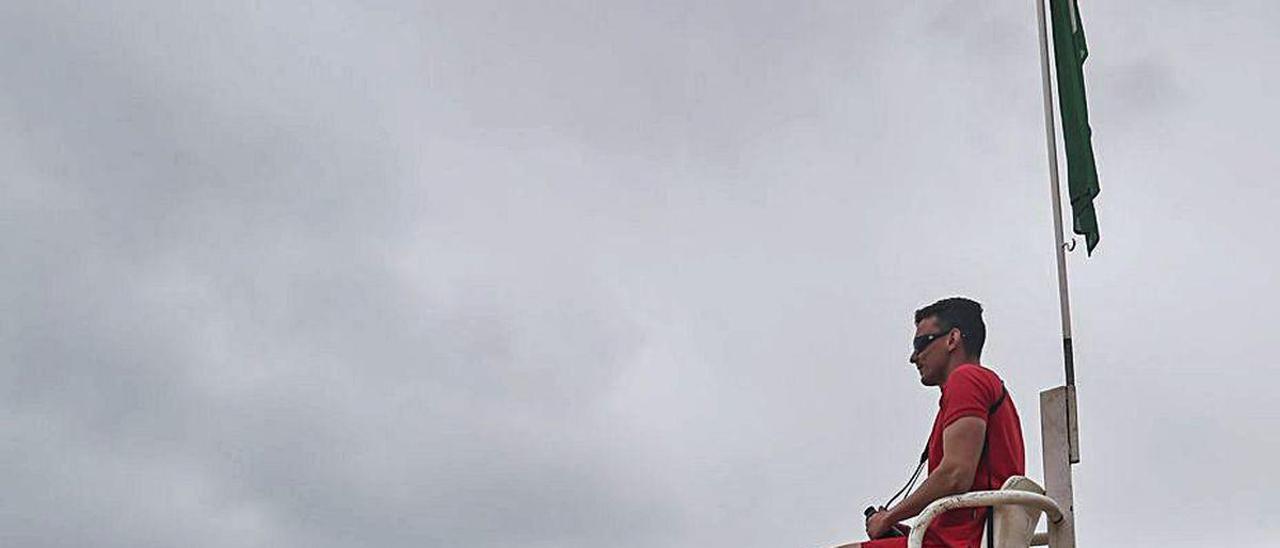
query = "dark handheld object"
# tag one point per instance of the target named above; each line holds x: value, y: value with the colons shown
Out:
x: 892, y: 532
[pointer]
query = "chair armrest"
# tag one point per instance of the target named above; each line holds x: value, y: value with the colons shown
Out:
x: 982, y: 498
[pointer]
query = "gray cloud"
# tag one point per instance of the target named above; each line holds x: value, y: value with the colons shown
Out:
x: 577, y: 274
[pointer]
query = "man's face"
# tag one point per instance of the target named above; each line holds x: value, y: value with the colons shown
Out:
x: 931, y: 360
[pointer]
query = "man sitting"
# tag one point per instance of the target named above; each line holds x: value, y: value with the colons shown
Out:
x: 976, y: 441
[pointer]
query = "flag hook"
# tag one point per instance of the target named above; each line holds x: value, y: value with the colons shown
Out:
x: 1070, y: 246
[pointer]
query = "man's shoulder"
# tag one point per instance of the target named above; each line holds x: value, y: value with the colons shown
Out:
x: 975, y: 379
x: 975, y: 372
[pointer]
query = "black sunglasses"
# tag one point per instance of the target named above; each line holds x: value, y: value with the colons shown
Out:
x: 923, y: 341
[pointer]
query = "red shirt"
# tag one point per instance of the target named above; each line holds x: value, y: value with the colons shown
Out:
x: 969, y: 392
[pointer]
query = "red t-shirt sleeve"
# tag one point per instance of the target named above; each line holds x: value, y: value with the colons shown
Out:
x: 967, y: 394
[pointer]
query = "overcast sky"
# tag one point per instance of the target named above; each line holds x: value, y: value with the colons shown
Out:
x: 624, y: 273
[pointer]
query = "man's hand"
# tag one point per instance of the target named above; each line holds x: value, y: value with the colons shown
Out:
x: 879, y: 524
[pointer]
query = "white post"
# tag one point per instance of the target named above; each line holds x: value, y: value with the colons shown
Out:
x: 1054, y: 423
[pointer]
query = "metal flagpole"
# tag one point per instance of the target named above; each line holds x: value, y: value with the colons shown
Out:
x: 1059, y: 438
x: 1064, y: 301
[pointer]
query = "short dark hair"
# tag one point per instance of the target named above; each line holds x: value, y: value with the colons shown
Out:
x: 963, y: 314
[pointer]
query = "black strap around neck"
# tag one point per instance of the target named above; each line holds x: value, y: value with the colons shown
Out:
x: 991, y: 510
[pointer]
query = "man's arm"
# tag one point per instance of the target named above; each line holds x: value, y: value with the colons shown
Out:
x: 961, y: 450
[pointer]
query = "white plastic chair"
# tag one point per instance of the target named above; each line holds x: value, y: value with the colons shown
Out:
x: 1017, y: 508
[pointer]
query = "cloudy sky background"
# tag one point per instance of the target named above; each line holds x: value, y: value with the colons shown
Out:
x: 635, y: 274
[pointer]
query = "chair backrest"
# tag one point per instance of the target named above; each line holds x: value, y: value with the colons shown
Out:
x: 1014, y: 525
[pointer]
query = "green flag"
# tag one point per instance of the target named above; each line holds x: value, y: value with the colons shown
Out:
x: 1082, y: 175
